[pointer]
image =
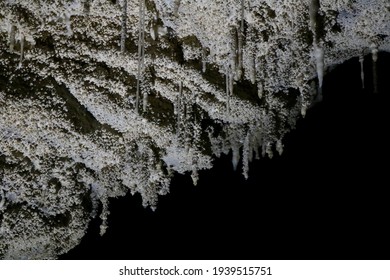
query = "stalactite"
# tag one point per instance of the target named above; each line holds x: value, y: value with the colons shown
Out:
x: 187, y: 127
x: 21, y: 49
x: 269, y: 151
x: 245, y: 156
x: 124, y: 26
x: 179, y: 111
x: 231, y: 85
x: 104, y: 215
x: 187, y: 136
x: 303, y: 110
x: 228, y: 90
x: 235, y: 156
x: 263, y: 149
x: 233, y: 53
x: 251, y: 151
x: 361, y: 60
x: 144, y: 101
x: 143, y: 36
x: 374, y: 52
x: 2, y: 199
x: 141, y: 47
x: 137, y: 93
x: 279, y: 147
x: 253, y: 70
x: 251, y: 53
x: 12, y: 38
x: 227, y: 81
x: 306, y: 98
x: 240, y: 34
x: 194, y: 172
x: 314, y: 7
x: 153, y: 31
x: 196, y: 134
x: 319, y: 55
x: 176, y: 112
x: 258, y: 141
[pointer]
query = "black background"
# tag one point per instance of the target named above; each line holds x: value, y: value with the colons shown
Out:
x: 324, y: 198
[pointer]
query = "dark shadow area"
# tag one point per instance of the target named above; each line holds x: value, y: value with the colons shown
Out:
x: 325, y: 198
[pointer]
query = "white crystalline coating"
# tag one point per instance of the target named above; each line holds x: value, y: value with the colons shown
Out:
x: 319, y: 55
x: 303, y: 110
x: 211, y: 76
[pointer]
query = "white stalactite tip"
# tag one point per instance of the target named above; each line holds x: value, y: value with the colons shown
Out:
x: 374, y: 51
x: 319, y: 55
x: 303, y: 110
x: 279, y: 147
x: 269, y: 151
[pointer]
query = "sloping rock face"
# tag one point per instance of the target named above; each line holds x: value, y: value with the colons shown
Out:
x: 103, y: 97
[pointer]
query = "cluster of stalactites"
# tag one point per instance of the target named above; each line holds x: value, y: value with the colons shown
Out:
x: 250, y: 143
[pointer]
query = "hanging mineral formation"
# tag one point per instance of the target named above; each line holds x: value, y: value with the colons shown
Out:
x: 361, y: 61
x: 12, y: 34
x: 374, y: 52
x: 141, y: 50
x: 124, y: 26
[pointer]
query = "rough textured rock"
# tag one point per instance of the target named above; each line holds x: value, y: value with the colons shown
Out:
x: 100, y: 97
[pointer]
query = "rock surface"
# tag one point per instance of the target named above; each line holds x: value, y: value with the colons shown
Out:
x: 102, y: 97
